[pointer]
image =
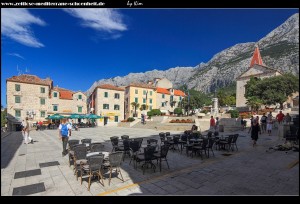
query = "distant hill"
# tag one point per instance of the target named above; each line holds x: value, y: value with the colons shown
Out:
x: 279, y: 49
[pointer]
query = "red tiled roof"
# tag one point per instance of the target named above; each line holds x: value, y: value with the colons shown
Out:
x: 162, y: 90
x: 30, y: 79
x: 179, y: 93
x: 256, y: 59
x: 109, y: 86
x: 66, y: 95
x: 56, y: 88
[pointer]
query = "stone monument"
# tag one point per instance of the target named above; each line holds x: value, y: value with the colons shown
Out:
x: 215, y: 107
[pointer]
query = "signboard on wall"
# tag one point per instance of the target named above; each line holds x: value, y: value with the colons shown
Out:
x: 67, y: 111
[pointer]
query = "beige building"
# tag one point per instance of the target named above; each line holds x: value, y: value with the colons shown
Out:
x: 140, y: 94
x: 66, y: 102
x: 36, y: 98
x: 256, y: 69
x: 27, y: 96
x: 107, y: 101
x: 157, y: 94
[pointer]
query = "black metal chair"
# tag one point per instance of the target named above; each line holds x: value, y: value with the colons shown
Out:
x: 183, y: 141
x: 162, y: 137
x: 211, y: 142
x: 200, y: 148
x: 114, y: 141
x: 93, y: 166
x: 79, y: 157
x: 233, y: 142
x: 134, y: 147
x: 125, y: 137
x: 147, y: 158
x: 96, y: 147
x: 115, y: 160
x: 71, y: 151
x: 162, y: 155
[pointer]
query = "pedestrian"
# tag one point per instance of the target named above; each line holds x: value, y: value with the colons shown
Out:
x: 217, y: 125
x: 279, y: 117
x: 251, y: 123
x: 23, y: 129
x: 28, y: 139
x: 269, y: 124
x: 287, y: 118
x: 64, y: 132
x: 212, y: 123
x: 254, y: 131
x: 259, y: 129
x: 263, y: 122
x: 143, y: 118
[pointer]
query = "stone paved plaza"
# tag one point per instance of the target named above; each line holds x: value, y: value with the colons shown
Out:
x: 248, y: 171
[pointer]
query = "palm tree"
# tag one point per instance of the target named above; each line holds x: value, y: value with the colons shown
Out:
x: 135, y: 106
x: 254, y: 103
x: 143, y: 107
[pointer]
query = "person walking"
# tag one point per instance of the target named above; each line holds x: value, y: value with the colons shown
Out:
x: 254, y: 131
x: 251, y: 123
x: 279, y: 117
x: 263, y: 122
x: 27, y: 139
x: 212, y: 123
x: 217, y: 125
x: 269, y: 124
x: 287, y: 118
x: 64, y: 132
x: 23, y: 129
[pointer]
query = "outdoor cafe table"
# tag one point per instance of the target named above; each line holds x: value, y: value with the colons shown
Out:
x: 106, y: 154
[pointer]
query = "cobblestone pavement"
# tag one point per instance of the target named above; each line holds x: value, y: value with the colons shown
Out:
x: 248, y: 171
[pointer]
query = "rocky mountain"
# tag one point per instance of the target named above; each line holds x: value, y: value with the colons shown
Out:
x: 279, y: 49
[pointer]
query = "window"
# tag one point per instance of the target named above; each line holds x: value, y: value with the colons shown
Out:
x: 136, y: 91
x: 136, y: 100
x: 180, y: 98
x: 171, y: 98
x: 117, y: 95
x: 105, y: 94
x: 105, y: 106
x: 163, y: 104
x: 79, y: 109
x: 116, y: 119
x: 42, y: 101
x: 144, y: 92
x: 150, y: 100
x: 43, y: 114
x: 144, y: 100
x: 80, y: 96
x: 116, y: 107
x: 150, y: 107
x: 150, y: 93
x: 55, y: 107
x: 43, y: 90
x: 17, y: 87
x: 55, y: 94
x: 17, y: 99
x: 17, y: 113
x: 163, y: 95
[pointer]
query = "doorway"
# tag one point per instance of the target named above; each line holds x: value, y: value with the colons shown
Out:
x: 105, y: 120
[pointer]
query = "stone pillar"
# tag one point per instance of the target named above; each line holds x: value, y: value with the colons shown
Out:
x: 215, y: 109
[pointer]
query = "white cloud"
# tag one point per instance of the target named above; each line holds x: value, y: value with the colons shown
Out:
x: 16, y: 55
x: 15, y: 24
x: 100, y: 19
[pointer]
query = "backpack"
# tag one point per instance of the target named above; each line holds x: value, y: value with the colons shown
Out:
x: 64, y: 130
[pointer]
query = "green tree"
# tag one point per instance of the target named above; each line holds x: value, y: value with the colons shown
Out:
x: 135, y: 106
x: 178, y: 111
x: 273, y: 90
x: 3, y: 116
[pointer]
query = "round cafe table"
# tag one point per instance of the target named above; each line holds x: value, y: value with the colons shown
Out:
x: 106, y: 154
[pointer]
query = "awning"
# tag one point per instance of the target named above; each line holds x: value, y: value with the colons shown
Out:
x: 13, y: 120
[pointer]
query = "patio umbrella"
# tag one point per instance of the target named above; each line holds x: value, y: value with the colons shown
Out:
x: 75, y: 116
x: 56, y: 116
x: 93, y: 116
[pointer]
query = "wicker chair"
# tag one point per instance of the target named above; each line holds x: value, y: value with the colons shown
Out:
x: 97, y: 147
x: 93, y: 166
x: 162, y: 155
x: 79, y: 158
x: 115, y: 160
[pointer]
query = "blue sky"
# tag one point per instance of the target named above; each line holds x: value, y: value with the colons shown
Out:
x: 76, y: 47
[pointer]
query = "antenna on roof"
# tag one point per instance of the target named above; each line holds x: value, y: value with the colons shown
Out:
x: 18, y: 70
